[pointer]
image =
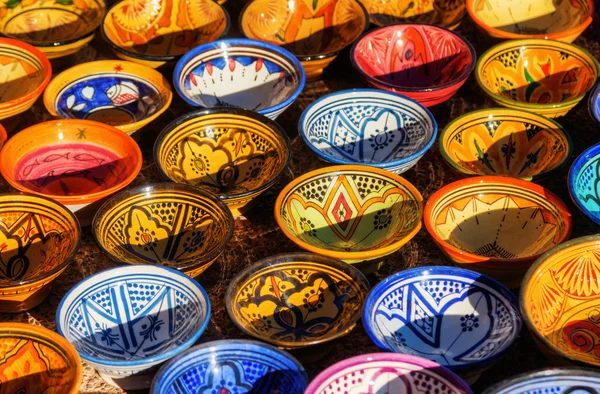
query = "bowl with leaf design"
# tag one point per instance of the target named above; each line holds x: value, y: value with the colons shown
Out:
x: 165, y: 224
x: 550, y: 380
x: 445, y: 13
x: 234, y: 153
x: 505, y: 141
x: 542, y: 76
x: 126, y: 321
x: 583, y: 182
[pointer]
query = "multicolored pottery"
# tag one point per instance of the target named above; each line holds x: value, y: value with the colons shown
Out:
x: 315, y: 32
x: 554, y: 380
x: 551, y: 20
x: 126, y: 321
x: 496, y: 225
x: 240, y: 73
x: 387, y: 373
x: 370, y: 127
x: 122, y: 94
x: 594, y: 104
x: 542, y: 76
x: 583, y: 182
x: 154, y: 32
x: 36, y: 360
x: 231, y: 366
x: 426, y: 63
x: 233, y: 153
x: 166, y: 224
x: 504, y: 141
x: 446, y: 13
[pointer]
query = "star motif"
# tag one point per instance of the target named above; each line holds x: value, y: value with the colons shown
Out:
x: 118, y: 68
x: 81, y: 135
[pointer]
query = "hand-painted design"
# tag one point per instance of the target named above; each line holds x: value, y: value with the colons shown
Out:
x: 446, y: 13
x: 555, y: 381
x: 19, y: 76
x: 585, y: 184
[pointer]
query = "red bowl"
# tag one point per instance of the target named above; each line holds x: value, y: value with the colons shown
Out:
x: 424, y: 62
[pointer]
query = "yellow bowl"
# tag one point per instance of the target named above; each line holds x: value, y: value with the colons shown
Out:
x: 446, y: 13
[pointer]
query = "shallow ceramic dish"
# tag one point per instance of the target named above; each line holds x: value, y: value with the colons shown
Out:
x: 370, y: 127
x: 435, y: 61
x: 56, y: 28
x: 445, y: 13
x: 37, y: 360
x: 594, y: 104
x: 25, y: 74
x: 387, y: 373
x: 583, y: 182
x: 504, y: 141
x: 122, y: 94
x: 126, y: 321
x: 167, y: 224
x: 458, y: 318
x: 244, y: 157
x: 240, y: 73
x: 315, y: 32
x: 496, y: 225
x: 3, y: 136
x: 547, y: 19
x: 155, y: 32
x: 542, y: 76
x: 553, y: 380
x: 232, y: 366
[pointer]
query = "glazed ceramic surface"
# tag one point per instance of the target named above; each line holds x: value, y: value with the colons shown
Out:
x: 446, y: 13
x: 583, y: 182
x: 387, y: 373
x: 542, y: 76
x: 36, y: 360
x: 234, y: 153
x: 368, y: 126
x: 354, y: 213
x: 122, y: 94
x: 426, y: 63
x: 564, y: 380
x: 504, y: 141
x: 594, y: 104
x: 240, y: 73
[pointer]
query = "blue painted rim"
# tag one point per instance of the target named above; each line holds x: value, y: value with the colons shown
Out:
x: 162, y: 357
x: 365, y: 92
x: 594, y: 104
x: 439, y: 270
x: 588, y: 154
x: 284, y: 53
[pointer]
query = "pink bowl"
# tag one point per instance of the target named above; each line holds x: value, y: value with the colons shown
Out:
x: 424, y: 62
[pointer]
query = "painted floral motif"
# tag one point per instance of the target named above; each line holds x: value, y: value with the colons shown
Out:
x: 446, y: 13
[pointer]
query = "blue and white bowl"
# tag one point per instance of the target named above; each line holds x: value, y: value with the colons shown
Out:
x: 550, y: 381
x: 127, y: 320
x: 231, y: 366
x: 458, y: 318
x: 584, y: 182
x: 241, y: 73
x: 370, y: 127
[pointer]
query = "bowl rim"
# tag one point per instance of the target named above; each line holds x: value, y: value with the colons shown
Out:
x: 510, y: 382
x: 280, y: 52
x: 286, y: 260
x: 128, y: 270
x: 270, y: 123
x: 578, y: 163
x: 493, y: 179
x: 339, y: 170
x: 412, y: 89
x: 457, y: 122
x: 364, y: 93
x: 555, y: 45
x: 552, y: 36
x: 325, y: 374
x: 417, y: 272
x: 594, y: 110
x: 46, y: 71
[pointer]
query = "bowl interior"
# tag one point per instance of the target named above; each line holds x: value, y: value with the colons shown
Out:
x: 324, y: 28
x: 413, y: 56
x: 595, y: 104
x: 559, y: 380
x: 22, y: 73
x: 445, y: 13
x: 583, y: 182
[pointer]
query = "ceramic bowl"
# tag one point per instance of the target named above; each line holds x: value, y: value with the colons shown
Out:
x: 167, y: 224
x: 296, y: 300
x: 155, y: 32
x: 3, y: 136
x: 234, y: 153
x: 504, y: 141
x: 552, y: 380
x: 122, y: 94
x: 551, y: 20
x: 37, y: 360
x: 559, y: 300
x: 232, y: 366
x: 56, y: 28
x: 26, y: 74
x: 353, y: 213
x: 583, y: 182
x: 75, y: 162
x: 458, y: 318
x: 370, y: 127
x: 315, y: 32
x: 496, y: 225
x: 126, y: 321
x: 387, y: 373
x: 542, y: 76
x: 446, y: 13
x: 594, y: 104
x: 240, y: 73
x: 435, y: 61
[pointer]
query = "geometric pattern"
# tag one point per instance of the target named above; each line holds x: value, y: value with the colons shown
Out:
x: 558, y: 382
